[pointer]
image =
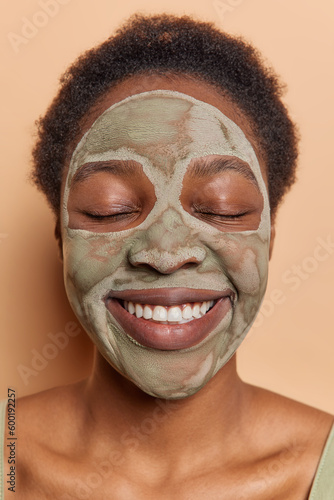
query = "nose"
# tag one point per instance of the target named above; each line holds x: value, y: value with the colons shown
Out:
x: 166, y: 262
x: 167, y: 246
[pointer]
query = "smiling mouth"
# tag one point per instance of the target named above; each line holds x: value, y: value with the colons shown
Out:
x: 174, y: 315
x: 169, y: 319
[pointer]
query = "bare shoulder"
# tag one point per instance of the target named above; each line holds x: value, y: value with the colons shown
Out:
x: 45, y: 432
x: 57, y: 397
x: 43, y: 416
x: 49, y: 435
x: 292, y: 436
x: 288, y: 416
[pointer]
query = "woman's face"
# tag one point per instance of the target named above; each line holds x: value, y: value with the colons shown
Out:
x: 166, y: 232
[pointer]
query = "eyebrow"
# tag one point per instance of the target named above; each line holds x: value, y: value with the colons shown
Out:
x: 116, y: 167
x: 205, y: 167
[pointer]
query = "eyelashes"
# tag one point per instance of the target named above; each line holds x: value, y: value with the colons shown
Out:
x: 105, y: 217
x: 223, y: 216
x: 219, y: 214
x: 129, y: 214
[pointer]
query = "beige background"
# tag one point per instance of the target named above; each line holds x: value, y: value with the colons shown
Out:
x: 291, y: 349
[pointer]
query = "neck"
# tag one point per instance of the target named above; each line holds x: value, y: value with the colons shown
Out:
x: 206, y: 420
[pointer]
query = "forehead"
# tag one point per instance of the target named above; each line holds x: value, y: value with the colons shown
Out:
x: 163, y: 131
x: 164, y: 127
x: 183, y: 83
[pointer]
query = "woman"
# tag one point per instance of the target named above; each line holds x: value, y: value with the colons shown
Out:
x: 165, y: 156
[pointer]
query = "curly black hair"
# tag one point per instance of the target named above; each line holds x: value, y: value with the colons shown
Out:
x: 169, y: 44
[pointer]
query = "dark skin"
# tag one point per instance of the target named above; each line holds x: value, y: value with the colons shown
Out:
x: 105, y: 201
x: 229, y: 441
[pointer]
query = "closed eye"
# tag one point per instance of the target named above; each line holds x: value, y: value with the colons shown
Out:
x: 223, y: 215
x: 98, y: 216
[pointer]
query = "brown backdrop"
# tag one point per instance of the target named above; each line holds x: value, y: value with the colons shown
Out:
x: 291, y: 347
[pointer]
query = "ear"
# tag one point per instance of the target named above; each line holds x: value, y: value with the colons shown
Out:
x: 272, y: 238
x: 59, y: 239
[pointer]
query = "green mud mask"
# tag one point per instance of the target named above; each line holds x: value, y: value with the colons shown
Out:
x: 191, y: 237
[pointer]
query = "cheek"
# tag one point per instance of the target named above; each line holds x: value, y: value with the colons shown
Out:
x: 244, y: 258
x: 247, y: 276
x: 87, y: 261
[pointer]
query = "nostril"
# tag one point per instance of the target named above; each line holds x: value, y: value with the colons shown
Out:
x: 166, y: 262
x: 189, y: 264
x: 165, y: 266
x: 144, y: 266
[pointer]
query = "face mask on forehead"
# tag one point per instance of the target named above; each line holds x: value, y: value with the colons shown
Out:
x: 202, y: 285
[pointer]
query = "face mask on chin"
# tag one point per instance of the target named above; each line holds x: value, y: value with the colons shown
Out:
x: 199, y: 275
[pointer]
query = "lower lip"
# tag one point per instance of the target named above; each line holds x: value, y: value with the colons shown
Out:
x: 169, y: 337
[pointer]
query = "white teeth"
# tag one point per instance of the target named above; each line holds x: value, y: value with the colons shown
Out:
x: 159, y: 313
x: 196, y: 312
x: 139, y: 311
x: 147, y: 313
x: 173, y: 314
x: 187, y: 312
x: 203, y: 308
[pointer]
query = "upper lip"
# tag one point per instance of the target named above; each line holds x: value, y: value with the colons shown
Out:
x: 170, y: 296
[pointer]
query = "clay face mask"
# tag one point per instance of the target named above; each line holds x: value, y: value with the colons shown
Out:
x: 167, y: 295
